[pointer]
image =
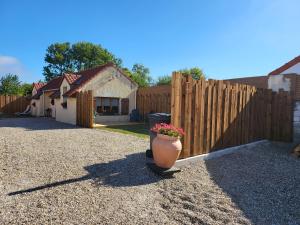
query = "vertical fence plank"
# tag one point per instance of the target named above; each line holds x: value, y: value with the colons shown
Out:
x: 188, y: 117
x: 213, y: 115
x: 208, y: 117
x: 196, y: 146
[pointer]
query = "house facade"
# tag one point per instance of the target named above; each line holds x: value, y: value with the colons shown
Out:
x: 41, y: 101
x: 114, y: 95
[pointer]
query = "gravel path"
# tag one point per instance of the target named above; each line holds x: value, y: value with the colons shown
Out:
x: 52, y: 173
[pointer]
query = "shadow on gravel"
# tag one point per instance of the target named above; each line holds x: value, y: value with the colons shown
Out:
x: 263, y: 182
x: 33, y: 123
x: 125, y: 172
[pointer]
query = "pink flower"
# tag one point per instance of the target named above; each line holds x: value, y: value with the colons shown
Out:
x: 167, y: 129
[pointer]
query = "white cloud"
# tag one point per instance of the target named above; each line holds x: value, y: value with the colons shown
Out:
x: 8, y: 60
x: 10, y: 64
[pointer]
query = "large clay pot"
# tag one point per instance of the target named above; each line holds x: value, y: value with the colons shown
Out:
x: 166, y: 150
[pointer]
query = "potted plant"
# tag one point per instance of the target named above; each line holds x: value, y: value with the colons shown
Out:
x: 166, y: 145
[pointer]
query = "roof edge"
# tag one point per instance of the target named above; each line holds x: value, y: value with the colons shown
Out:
x: 285, y: 66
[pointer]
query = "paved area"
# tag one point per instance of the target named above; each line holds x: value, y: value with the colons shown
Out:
x: 53, y: 173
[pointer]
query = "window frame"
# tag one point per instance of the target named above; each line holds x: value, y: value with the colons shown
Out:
x: 110, y: 112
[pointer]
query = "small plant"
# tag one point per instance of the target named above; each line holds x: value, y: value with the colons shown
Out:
x: 166, y: 129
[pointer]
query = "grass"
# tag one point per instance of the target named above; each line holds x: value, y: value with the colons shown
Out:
x: 139, y: 130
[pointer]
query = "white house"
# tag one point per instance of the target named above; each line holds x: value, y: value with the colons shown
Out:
x: 114, y: 95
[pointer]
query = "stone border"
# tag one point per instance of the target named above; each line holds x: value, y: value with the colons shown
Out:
x: 216, y: 154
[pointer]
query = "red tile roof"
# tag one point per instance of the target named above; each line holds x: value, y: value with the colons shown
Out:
x: 52, y: 85
x: 71, y: 77
x: 38, y: 85
x: 286, y: 66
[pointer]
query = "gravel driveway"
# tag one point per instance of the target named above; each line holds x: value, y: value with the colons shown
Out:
x: 53, y: 173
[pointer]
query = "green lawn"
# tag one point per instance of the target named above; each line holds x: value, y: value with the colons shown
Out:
x: 139, y: 130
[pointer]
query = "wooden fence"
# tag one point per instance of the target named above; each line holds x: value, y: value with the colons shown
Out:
x: 154, y: 99
x: 13, y: 103
x: 84, y: 109
x: 216, y: 114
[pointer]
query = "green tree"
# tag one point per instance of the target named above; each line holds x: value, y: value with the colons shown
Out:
x: 10, y: 85
x: 87, y: 55
x: 25, y: 89
x: 141, y: 75
x: 64, y: 57
x: 58, y: 59
x: 164, y: 80
x: 196, y: 72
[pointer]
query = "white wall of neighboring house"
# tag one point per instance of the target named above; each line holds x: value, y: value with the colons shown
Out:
x: 65, y: 115
x: 297, y: 120
x: 276, y: 82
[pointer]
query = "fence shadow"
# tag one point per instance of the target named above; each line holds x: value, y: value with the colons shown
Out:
x: 125, y: 172
x: 262, y: 182
x: 35, y: 123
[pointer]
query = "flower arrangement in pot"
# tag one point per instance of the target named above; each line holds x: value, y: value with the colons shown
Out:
x: 166, y: 145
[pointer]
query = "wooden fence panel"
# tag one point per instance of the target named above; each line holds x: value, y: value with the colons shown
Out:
x: 84, y: 109
x: 215, y: 115
x: 154, y: 99
x: 12, y: 103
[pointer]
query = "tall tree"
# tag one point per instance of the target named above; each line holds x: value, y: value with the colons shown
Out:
x: 10, y: 85
x: 64, y: 57
x: 25, y: 89
x: 87, y: 55
x: 59, y: 60
x: 141, y: 75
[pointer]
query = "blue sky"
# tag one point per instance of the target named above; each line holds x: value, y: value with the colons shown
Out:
x: 226, y: 39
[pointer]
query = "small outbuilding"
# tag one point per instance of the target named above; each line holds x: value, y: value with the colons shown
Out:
x: 114, y: 95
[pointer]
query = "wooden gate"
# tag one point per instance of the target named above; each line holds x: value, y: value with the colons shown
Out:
x: 215, y: 114
x: 85, y: 109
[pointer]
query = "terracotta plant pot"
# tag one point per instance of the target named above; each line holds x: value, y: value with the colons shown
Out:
x: 166, y: 150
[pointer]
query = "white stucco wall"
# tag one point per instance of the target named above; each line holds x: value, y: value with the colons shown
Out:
x: 34, y: 91
x: 276, y: 82
x: 293, y: 69
x: 65, y: 115
x: 297, y: 120
x: 37, y: 110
